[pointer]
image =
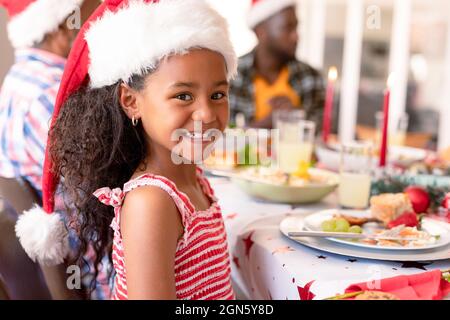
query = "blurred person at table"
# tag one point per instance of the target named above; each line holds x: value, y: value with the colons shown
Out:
x: 41, y: 33
x: 270, y: 77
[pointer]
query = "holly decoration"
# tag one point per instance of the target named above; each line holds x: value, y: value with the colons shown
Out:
x: 446, y: 275
x: 439, y: 196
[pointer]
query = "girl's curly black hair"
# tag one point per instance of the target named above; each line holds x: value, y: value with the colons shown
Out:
x: 93, y: 144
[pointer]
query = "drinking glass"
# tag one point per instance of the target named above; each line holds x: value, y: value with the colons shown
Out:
x: 295, y: 140
x: 397, y: 133
x: 355, y: 175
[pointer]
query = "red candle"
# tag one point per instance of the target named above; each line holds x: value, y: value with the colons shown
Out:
x: 329, y: 102
x: 385, y: 128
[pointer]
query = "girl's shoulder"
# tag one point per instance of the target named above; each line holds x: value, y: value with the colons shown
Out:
x: 147, y: 194
x: 149, y: 179
x: 146, y: 179
x: 152, y: 188
x: 147, y: 183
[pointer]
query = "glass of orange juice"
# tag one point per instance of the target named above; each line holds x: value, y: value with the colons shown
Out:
x: 295, y: 141
x: 355, y: 175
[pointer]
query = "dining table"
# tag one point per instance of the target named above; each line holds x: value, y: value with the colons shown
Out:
x: 266, y: 265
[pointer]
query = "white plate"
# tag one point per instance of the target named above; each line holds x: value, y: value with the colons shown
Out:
x: 295, y: 223
x: 314, y: 221
x: 329, y: 156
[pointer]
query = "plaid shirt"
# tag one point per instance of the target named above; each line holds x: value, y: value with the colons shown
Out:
x: 306, y: 81
x: 26, y: 105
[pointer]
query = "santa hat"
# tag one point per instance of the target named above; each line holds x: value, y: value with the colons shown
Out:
x: 261, y: 10
x: 121, y: 38
x: 30, y: 20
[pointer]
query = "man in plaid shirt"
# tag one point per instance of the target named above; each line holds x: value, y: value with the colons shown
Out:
x: 270, y: 77
x: 26, y: 106
x: 30, y: 88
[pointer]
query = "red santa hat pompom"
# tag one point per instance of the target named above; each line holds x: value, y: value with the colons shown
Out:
x: 121, y: 38
x: 261, y: 10
x: 30, y: 20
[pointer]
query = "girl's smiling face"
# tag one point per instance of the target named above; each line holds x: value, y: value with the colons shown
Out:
x: 184, y: 92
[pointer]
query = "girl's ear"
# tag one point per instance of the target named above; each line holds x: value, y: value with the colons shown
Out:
x: 128, y: 101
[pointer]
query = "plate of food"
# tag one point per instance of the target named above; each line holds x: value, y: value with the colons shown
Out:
x: 238, y: 150
x: 308, y: 185
x: 389, y: 224
x: 295, y: 222
x: 329, y: 156
x: 429, y: 236
x: 435, y: 164
x: 405, y: 156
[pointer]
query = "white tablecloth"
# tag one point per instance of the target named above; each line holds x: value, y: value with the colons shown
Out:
x: 266, y: 265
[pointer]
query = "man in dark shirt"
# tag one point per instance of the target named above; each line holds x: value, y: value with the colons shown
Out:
x: 270, y: 77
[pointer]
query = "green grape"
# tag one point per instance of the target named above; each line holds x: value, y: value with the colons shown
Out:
x: 329, y: 225
x: 355, y: 229
x: 342, y: 225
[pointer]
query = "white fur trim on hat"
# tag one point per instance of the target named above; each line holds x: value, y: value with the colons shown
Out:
x: 264, y: 9
x: 138, y: 36
x: 43, y: 236
x: 38, y: 19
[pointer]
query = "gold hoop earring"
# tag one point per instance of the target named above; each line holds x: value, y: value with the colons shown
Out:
x: 134, y: 121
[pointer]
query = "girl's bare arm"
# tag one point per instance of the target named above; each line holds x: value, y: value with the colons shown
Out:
x: 151, y: 226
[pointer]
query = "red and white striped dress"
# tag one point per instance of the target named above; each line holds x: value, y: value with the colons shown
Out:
x: 202, y: 263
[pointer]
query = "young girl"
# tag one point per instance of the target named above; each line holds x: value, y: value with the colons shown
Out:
x: 140, y: 71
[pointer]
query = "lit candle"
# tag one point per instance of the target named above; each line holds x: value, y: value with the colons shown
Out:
x: 385, y: 128
x: 329, y: 102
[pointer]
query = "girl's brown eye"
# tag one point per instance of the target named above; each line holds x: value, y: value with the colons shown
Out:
x: 218, y: 96
x: 184, y: 97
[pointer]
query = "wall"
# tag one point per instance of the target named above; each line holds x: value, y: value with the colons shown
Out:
x: 6, y: 52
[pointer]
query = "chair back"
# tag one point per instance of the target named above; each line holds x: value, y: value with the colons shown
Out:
x: 3, y: 292
x: 22, y: 277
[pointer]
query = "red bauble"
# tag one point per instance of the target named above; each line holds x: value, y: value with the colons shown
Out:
x: 420, y: 199
x: 446, y: 202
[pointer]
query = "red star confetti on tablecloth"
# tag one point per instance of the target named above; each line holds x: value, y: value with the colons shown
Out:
x: 248, y: 243
x: 282, y: 250
x: 236, y: 262
x: 305, y: 292
x: 231, y: 216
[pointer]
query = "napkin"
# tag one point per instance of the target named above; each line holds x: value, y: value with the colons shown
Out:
x: 422, y: 286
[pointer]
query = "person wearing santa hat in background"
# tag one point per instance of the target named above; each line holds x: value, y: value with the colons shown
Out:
x: 41, y: 32
x: 42, y: 39
x: 145, y: 83
x: 270, y: 77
